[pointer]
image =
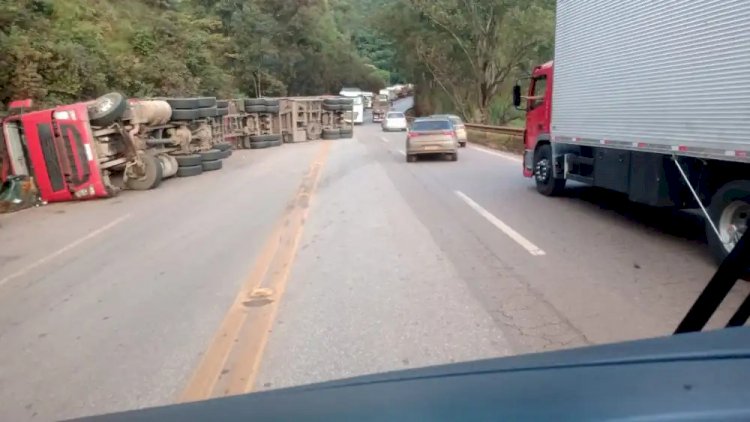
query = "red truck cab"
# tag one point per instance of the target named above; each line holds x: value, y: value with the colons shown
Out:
x: 538, y: 113
x: 55, y: 148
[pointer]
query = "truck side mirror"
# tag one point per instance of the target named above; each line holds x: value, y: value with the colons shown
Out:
x: 516, y: 95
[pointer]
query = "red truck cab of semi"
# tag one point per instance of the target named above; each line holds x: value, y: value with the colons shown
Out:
x: 538, y: 113
x: 55, y: 148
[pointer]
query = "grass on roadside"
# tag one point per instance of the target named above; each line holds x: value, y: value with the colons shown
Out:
x: 497, y: 141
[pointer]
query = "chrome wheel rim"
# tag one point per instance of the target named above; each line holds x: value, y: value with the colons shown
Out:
x: 733, y: 223
x: 542, y: 170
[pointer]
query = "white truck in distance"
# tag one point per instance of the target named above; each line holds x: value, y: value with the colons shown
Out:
x: 357, y: 115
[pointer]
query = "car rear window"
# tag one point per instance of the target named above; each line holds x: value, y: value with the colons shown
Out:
x: 423, y: 125
x: 395, y: 115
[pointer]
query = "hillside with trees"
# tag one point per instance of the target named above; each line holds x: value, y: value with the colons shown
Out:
x: 66, y: 50
x: 463, y: 55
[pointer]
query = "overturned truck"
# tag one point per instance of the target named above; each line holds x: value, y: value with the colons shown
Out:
x: 97, y: 148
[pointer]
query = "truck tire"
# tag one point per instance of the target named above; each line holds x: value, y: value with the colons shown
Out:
x: 183, y: 103
x: 222, y: 111
x: 264, y: 138
x: 330, y: 107
x: 345, y: 101
x: 188, y: 160
x: 150, y: 177
x: 344, y: 107
x: 546, y: 183
x: 188, y: 171
x: 222, y: 103
x: 211, y: 165
x: 729, y: 210
x: 255, y: 109
x: 331, y: 134
x: 273, y: 109
x: 210, y: 155
x: 260, y: 144
x: 270, y: 102
x: 180, y: 114
x: 346, y: 133
x: 107, y: 109
x: 204, y: 102
x: 223, y: 146
x: 207, y: 112
x: 276, y: 143
x: 250, y: 102
x: 226, y: 154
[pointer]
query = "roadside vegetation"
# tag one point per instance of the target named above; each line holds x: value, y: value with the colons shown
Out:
x: 66, y: 50
x: 465, y: 55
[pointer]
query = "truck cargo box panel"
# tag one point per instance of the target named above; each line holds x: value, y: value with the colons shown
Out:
x: 666, y: 76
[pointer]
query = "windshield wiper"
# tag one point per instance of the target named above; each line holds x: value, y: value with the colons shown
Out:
x: 734, y: 267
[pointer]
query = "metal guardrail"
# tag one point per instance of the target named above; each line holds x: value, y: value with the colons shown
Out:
x: 506, y: 130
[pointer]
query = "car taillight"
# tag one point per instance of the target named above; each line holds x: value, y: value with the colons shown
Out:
x: 449, y: 132
x: 412, y: 134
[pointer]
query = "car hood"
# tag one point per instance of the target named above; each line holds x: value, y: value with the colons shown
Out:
x: 678, y: 377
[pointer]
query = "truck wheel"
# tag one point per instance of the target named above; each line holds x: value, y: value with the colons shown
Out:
x: 730, y: 211
x: 204, y: 102
x: 546, y: 183
x: 250, y: 102
x: 106, y: 109
x: 188, y: 160
x: 271, y: 103
x: 210, y: 155
x: 276, y: 143
x: 183, y: 103
x: 222, y: 111
x: 346, y: 133
x: 146, y: 176
x: 189, y: 171
x: 211, y: 165
x: 179, y: 114
x: 411, y: 158
x: 273, y: 109
x: 223, y: 146
x: 222, y: 103
x: 255, y: 109
x: 260, y: 144
x: 226, y: 153
x: 331, y: 134
x: 207, y: 112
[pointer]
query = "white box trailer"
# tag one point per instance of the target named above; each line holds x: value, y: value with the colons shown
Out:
x: 661, y: 76
x: 651, y: 99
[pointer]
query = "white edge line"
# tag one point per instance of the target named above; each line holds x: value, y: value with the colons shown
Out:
x: 64, y: 249
x: 384, y: 139
x: 517, y: 237
x: 401, y: 152
x: 496, y: 153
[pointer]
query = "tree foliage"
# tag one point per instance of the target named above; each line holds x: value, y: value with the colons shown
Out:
x: 66, y: 50
x: 468, y: 50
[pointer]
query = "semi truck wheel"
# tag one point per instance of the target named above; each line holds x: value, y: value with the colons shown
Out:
x: 250, y: 102
x: 188, y: 171
x: 211, y: 165
x: 222, y: 103
x: 729, y: 211
x: 276, y: 143
x: 210, y: 155
x: 273, y: 109
x: 346, y: 133
x: 183, y: 103
x: 178, y: 114
x: 223, y: 146
x: 222, y: 111
x: 226, y: 153
x: 260, y: 144
x: 188, y: 160
x: 143, y: 174
x: 255, y: 109
x: 107, y: 109
x: 546, y: 183
x: 204, y: 102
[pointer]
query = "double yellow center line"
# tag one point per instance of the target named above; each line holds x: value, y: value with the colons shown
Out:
x: 230, y: 365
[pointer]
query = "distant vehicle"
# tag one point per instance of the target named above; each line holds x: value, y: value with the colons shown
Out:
x: 350, y: 91
x: 458, y: 124
x: 394, y: 120
x: 659, y: 130
x: 357, y: 115
x: 368, y: 97
x: 380, y: 106
x: 431, y: 136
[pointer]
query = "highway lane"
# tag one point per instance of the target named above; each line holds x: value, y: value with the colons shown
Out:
x: 375, y: 265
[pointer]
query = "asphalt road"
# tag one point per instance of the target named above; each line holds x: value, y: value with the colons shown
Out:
x: 323, y: 260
